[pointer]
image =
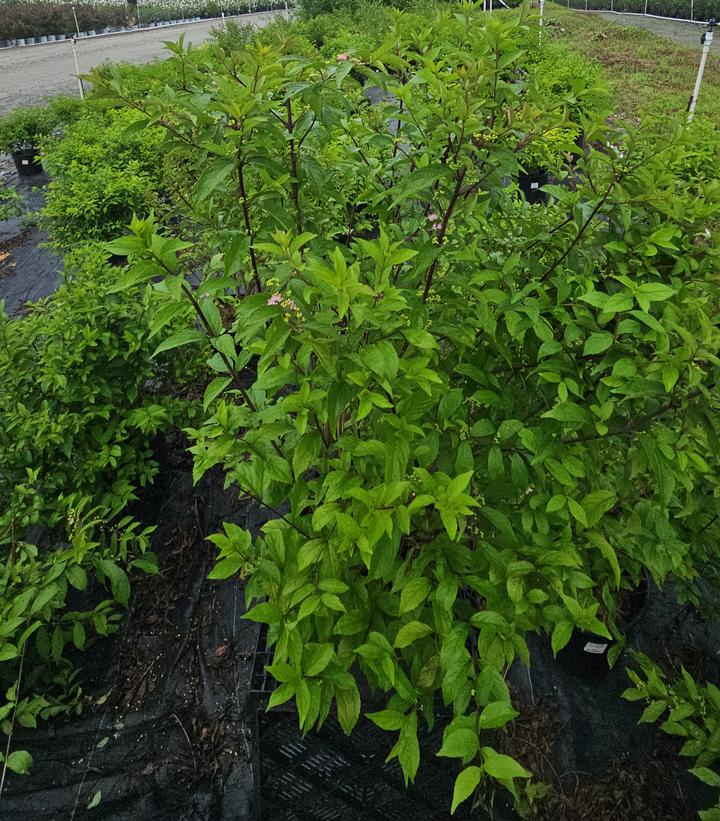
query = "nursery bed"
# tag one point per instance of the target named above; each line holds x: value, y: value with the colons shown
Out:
x: 28, y: 272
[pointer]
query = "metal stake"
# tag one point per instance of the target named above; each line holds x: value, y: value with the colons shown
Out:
x: 77, y: 68
x: 542, y: 15
x: 77, y: 26
x: 706, y: 41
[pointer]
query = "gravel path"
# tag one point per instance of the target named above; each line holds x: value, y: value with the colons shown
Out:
x: 29, y: 75
x: 685, y: 34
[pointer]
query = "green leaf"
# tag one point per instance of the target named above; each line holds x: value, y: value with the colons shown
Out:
x: 410, y: 632
x: 309, y: 553
x: 706, y: 775
x: 561, y: 636
x: 214, y: 389
x: 597, y: 504
x: 212, y: 178
x: 566, y: 412
x: 382, y: 359
x: 177, y: 340
x: 46, y: 595
x: 265, y: 612
x: 408, y: 748
x: 496, y: 714
x: 578, y: 512
x: 461, y: 743
x: 387, y: 719
x: 608, y: 552
x: 413, y: 594
x: 502, y: 766
x: 8, y: 651
x: 95, y: 800
x: 227, y: 567
x: 465, y: 785
x: 119, y: 582
x: 597, y: 343
x: 496, y: 463
x: 652, y: 712
x: 331, y: 601
x: 78, y: 634
x: 348, y: 708
x: 420, y: 338
x: 556, y: 503
x: 418, y: 182
x: 19, y: 762
x: 670, y: 376
x: 302, y: 699
x: 318, y: 659
x: 77, y: 576
x: 353, y: 622
x: 283, y: 693
x: 655, y: 291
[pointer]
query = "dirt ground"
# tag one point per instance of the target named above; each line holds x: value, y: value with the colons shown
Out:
x: 29, y: 75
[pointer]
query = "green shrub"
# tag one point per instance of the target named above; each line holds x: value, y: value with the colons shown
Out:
x: 567, y: 75
x: 138, y: 80
x: 24, y: 128
x: 480, y: 418
x: 101, y: 175
x: 11, y: 203
x: 78, y: 399
x: 80, y: 402
x: 689, y: 710
x: 698, y: 150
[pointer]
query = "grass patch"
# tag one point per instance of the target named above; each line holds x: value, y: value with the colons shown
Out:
x: 650, y: 76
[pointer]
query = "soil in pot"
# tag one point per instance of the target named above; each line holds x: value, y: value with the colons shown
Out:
x: 530, y: 185
x: 27, y: 162
x: 586, y: 654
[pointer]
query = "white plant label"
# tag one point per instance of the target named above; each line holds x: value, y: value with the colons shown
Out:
x: 24, y: 162
x: 592, y: 647
x: 534, y: 185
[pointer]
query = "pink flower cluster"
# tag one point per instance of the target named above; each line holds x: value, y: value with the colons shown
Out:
x: 288, y: 305
x: 435, y: 221
x: 341, y: 58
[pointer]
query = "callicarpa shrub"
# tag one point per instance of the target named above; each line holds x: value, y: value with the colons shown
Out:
x: 469, y: 418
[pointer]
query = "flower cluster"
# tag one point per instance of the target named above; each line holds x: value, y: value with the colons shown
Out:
x: 435, y: 221
x: 290, y: 309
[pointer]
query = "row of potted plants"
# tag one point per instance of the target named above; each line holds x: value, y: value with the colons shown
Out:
x: 681, y: 9
x: 52, y: 38
x: 33, y: 21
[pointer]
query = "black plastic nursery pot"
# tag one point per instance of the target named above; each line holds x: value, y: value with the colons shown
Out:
x: 27, y: 162
x: 328, y: 776
x: 586, y: 654
x: 530, y: 184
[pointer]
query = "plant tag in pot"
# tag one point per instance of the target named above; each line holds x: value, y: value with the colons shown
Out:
x: 593, y: 647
